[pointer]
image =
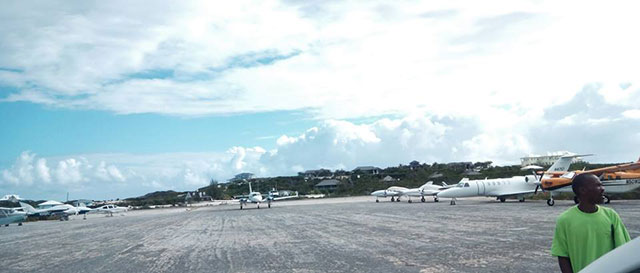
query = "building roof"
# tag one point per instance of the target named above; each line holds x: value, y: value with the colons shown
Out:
x: 366, y: 168
x: 328, y: 182
x: 50, y: 203
x: 388, y: 178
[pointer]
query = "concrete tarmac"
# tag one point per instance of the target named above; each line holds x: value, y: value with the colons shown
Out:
x: 326, y: 235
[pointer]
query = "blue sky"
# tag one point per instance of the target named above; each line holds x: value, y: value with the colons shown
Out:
x: 54, y: 132
x: 118, y: 99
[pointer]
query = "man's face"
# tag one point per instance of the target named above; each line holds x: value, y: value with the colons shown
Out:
x: 593, y: 191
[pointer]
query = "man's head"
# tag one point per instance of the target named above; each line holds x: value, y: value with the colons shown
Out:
x: 588, y: 188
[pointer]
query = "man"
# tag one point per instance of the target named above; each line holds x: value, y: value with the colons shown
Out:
x: 586, y: 231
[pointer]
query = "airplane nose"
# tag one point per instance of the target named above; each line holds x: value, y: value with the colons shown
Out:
x: 450, y: 193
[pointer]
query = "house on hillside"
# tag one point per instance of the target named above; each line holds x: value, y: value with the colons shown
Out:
x: 547, y: 160
x: 414, y: 164
x: 367, y: 170
x: 471, y: 172
x: 316, y: 174
x: 388, y: 179
x: 327, y: 184
x: 242, y: 177
x: 460, y: 165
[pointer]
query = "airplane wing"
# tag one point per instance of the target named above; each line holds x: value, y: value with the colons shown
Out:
x: 511, y: 194
x: 618, y: 168
x: 284, y: 197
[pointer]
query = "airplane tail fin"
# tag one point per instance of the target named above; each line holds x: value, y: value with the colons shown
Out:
x: 563, y: 163
x: 27, y: 207
x: 426, y: 184
x: 250, y: 190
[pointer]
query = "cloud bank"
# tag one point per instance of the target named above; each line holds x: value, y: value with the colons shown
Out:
x: 335, y: 60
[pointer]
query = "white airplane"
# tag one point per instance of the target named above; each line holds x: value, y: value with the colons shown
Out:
x: 392, y: 192
x: 256, y: 198
x: 395, y: 192
x: 110, y: 209
x: 428, y: 189
x: 501, y: 188
x: 64, y: 210
x: 12, y: 215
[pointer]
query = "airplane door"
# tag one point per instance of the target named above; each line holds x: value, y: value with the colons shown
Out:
x: 481, y: 189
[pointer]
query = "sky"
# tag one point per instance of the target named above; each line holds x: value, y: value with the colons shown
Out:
x: 115, y: 99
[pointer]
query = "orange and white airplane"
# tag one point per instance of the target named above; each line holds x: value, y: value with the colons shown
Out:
x: 615, y: 179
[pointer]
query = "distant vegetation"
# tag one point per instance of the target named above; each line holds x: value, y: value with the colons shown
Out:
x: 352, y: 183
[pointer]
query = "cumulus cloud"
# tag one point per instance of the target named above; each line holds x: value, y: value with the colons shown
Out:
x: 574, y: 126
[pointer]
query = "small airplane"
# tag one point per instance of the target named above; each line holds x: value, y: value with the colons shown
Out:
x: 428, y: 189
x: 12, y: 215
x: 615, y: 179
x: 501, y: 188
x: 64, y: 210
x: 110, y: 209
x: 392, y: 192
x: 257, y: 198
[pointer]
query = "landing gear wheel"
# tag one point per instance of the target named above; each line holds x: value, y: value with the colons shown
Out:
x: 607, y: 200
x: 377, y: 200
x: 422, y: 199
x: 550, y: 202
x: 521, y: 199
x: 398, y: 199
x: 453, y: 202
x: 240, y: 206
x: 19, y: 224
x: 409, y: 201
x: 575, y: 200
x: 435, y: 199
x: 502, y: 200
x: 392, y: 199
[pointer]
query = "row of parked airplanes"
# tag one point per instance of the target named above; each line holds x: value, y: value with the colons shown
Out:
x: 63, y: 211
x: 615, y: 179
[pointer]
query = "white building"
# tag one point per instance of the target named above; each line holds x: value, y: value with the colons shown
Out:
x: 546, y: 160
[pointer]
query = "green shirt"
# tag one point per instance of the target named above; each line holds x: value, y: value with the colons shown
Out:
x: 584, y: 237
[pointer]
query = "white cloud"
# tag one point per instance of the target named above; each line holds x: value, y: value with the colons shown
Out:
x: 43, y: 170
x: 335, y: 59
x: 632, y: 114
x: 68, y: 171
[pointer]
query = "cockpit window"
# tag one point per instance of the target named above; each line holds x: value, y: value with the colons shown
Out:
x: 466, y: 185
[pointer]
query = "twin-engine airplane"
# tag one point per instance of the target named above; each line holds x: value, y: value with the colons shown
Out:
x: 615, y: 179
x: 395, y: 192
x: 257, y: 198
x: 502, y: 188
x: 111, y: 209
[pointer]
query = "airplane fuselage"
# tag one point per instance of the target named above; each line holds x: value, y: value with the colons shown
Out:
x: 516, y: 185
x: 12, y: 216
